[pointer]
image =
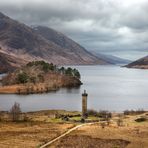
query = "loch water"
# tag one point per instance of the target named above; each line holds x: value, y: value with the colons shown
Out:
x: 111, y: 88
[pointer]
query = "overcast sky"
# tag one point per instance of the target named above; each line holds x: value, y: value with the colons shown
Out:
x: 117, y: 27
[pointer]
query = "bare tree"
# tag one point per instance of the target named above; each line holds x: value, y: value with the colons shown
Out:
x: 120, y: 120
x: 15, y: 112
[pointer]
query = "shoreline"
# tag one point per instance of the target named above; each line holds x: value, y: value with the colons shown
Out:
x: 27, y: 89
x: 32, y: 88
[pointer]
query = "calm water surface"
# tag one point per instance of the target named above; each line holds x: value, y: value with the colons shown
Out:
x: 109, y: 87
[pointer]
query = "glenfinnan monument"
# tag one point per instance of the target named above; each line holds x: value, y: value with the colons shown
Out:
x: 84, y: 104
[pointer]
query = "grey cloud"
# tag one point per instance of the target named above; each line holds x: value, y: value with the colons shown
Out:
x: 136, y: 18
x: 114, y: 26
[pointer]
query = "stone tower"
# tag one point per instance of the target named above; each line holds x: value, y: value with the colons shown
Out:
x: 84, y: 104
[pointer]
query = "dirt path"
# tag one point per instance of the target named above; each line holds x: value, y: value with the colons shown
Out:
x: 66, y: 133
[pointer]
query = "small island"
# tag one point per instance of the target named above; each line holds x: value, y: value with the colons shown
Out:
x: 39, y: 77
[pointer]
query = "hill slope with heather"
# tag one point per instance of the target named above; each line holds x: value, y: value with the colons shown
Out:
x: 141, y: 63
x: 29, y: 44
x: 71, y: 47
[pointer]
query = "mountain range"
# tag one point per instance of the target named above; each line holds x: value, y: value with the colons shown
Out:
x: 40, y: 43
x: 20, y: 43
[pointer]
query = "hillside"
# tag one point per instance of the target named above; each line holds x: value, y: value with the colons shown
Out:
x: 4, y: 63
x: 9, y: 62
x: 141, y: 63
x: 70, y: 46
x: 20, y: 40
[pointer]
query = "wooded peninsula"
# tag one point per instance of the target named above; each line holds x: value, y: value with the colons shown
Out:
x: 39, y: 77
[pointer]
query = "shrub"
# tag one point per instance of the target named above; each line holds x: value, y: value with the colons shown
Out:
x: 62, y: 70
x: 102, y: 125
x: 134, y: 112
x: 68, y: 71
x: 41, y: 78
x: 76, y: 73
x: 92, y: 112
x: 22, y: 77
x: 25, y: 118
x: 33, y: 79
x: 141, y: 119
x: 65, y: 118
x: 46, y: 67
x: 82, y: 120
x: 105, y: 114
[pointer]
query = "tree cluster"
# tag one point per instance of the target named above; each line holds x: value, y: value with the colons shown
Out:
x: 45, y: 66
x: 23, y: 77
x: 101, y: 114
x: 70, y: 72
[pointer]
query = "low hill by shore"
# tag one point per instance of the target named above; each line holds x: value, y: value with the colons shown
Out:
x: 140, y: 64
x: 39, y: 77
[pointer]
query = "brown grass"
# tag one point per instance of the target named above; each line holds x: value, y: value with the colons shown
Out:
x: 9, y: 89
x: 26, y: 88
x: 40, y: 127
x: 130, y: 135
x: 43, y: 127
x: 29, y: 134
x: 79, y: 141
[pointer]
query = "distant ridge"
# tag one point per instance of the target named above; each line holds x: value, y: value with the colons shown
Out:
x: 40, y: 43
x: 111, y: 59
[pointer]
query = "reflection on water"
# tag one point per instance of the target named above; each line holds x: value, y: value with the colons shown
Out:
x: 109, y: 87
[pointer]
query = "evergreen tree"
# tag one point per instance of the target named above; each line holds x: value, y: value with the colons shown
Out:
x: 22, y: 77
